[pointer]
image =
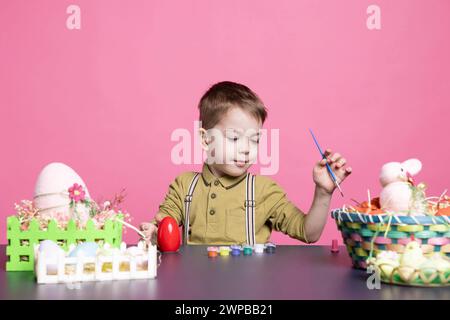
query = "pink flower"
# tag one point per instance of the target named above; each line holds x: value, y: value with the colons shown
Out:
x: 76, y: 193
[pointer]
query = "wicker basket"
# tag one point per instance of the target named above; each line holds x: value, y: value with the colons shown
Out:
x: 363, y: 232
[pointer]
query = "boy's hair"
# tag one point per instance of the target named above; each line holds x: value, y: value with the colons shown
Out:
x: 225, y: 95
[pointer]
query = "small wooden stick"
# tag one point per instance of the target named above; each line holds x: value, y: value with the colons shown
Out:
x: 131, y: 227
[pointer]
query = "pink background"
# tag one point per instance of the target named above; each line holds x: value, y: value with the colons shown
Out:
x: 105, y: 99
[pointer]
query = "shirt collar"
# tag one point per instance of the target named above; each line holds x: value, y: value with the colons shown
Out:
x: 226, y: 180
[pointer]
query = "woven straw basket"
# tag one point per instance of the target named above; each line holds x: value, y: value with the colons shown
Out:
x: 363, y: 233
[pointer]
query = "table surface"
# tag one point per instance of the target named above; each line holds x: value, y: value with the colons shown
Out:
x: 293, y: 272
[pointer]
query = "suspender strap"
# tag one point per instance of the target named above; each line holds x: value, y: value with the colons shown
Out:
x: 250, y: 209
x: 187, y: 207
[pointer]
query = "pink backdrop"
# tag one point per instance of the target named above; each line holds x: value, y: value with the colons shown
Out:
x: 105, y: 99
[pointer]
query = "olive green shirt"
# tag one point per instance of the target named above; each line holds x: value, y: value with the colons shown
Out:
x: 217, y: 213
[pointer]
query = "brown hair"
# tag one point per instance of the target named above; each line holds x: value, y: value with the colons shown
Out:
x: 225, y: 95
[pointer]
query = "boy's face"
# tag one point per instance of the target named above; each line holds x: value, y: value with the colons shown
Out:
x: 233, y: 143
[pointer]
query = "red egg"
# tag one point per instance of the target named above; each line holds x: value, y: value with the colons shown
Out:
x: 168, y: 235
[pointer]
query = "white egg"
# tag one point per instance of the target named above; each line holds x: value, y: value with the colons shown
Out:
x: 51, y: 251
x: 51, y: 190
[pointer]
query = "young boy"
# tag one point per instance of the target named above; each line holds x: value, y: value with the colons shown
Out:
x: 221, y: 209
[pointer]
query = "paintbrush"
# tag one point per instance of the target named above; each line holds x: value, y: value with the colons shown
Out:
x: 333, y: 177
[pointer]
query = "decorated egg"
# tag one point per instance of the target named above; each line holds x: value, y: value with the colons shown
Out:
x: 168, y: 235
x: 107, y: 252
x: 85, y: 249
x: 51, y: 250
x: 49, y: 246
x: 56, y: 186
x: 138, y: 254
x: 134, y: 251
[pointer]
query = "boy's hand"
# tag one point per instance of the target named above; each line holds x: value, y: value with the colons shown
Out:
x: 322, y: 177
x: 150, y: 230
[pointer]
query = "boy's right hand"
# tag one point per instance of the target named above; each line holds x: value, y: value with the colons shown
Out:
x: 150, y: 230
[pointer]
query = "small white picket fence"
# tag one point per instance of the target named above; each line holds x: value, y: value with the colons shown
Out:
x: 117, y: 266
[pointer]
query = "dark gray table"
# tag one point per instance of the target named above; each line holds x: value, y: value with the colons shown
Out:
x: 293, y: 272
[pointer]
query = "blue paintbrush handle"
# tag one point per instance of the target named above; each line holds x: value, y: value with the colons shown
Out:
x: 323, y: 156
x: 331, y: 172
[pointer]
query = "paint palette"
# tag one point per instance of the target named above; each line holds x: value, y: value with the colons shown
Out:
x: 237, y: 250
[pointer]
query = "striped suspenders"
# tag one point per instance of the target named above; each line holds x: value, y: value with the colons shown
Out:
x: 249, y: 208
x: 187, y: 206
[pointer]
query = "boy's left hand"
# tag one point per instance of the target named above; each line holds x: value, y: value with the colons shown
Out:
x: 322, y: 177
